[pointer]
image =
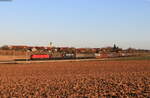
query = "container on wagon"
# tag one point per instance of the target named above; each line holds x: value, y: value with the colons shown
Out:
x: 97, y: 55
x: 69, y: 56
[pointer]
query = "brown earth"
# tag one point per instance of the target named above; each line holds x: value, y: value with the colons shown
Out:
x: 90, y: 79
x: 8, y: 58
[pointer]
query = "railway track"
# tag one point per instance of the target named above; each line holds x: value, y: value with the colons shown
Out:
x: 45, y: 61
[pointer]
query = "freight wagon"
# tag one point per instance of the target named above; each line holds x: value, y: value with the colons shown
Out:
x: 85, y: 55
x: 57, y: 56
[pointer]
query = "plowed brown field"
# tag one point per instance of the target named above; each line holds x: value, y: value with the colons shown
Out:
x: 90, y: 79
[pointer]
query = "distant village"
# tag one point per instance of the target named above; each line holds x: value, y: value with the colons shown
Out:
x: 113, y: 50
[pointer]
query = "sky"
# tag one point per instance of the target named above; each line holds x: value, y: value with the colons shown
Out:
x: 76, y: 23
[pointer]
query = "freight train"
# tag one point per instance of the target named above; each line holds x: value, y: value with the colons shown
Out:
x: 58, y: 56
